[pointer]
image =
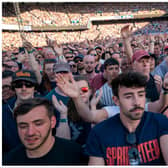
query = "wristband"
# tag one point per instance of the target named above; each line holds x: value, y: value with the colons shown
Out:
x: 63, y: 120
x: 29, y: 52
x: 164, y: 89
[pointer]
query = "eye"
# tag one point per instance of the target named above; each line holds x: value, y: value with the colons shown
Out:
x: 38, y: 123
x: 128, y: 97
x: 23, y: 126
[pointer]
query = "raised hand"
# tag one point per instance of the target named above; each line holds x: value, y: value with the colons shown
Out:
x: 59, y: 105
x: 126, y: 31
x: 67, y: 85
x: 96, y: 99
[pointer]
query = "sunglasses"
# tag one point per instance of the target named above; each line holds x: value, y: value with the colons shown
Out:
x: 20, y: 85
x: 133, y: 153
x: 94, y: 55
x: 78, y: 60
x: 85, y: 89
x: 73, y: 66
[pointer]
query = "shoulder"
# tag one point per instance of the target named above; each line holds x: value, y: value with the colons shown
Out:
x: 14, y: 155
x: 64, y: 143
x: 157, y: 118
x: 105, y: 125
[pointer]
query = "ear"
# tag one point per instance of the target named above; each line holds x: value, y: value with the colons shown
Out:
x: 53, y: 122
x: 116, y: 100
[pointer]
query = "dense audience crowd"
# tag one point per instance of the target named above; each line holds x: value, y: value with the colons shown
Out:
x: 97, y: 97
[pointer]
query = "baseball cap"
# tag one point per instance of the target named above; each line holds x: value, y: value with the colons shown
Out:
x: 25, y: 75
x: 98, y: 47
x: 61, y: 67
x: 166, y: 47
x: 139, y: 54
x: 78, y: 56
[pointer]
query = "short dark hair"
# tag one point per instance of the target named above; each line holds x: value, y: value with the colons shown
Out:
x: 110, y: 61
x: 128, y: 79
x: 28, y: 105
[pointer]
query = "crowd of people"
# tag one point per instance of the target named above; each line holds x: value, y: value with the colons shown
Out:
x: 100, y: 101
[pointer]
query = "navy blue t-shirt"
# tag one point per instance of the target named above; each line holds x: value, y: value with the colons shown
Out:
x: 108, y: 140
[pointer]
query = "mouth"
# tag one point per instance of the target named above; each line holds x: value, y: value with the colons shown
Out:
x: 31, y: 140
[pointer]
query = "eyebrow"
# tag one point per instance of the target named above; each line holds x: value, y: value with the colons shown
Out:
x: 130, y: 93
x: 32, y: 121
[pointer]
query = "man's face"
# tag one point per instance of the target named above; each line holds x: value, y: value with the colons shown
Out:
x: 89, y: 64
x: 99, y: 51
x: 49, y: 71
x: 112, y: 72
x: 7, y: 91
x: 79, y: 62
x: 69, y: 57
x: 117, y: 57
x: 142, y: 65
x: 24, y: 90
x: 125, y: 66
x: 131, y: 102
x: 48, y: 53
x: 35, y: 128
x: 13, y: 66
x: 166, y: 52
x: 157, y: 50
x: 94, y: 53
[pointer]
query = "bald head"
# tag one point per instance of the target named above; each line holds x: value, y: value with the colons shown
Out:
x: 89, y: 63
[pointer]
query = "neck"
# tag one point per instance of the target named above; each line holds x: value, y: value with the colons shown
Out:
x: 81, y: 71
x: 43, y: 150
x: 131, y: 125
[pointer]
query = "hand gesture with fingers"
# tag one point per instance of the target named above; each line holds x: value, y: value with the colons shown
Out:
x: 68, y: 86
x: 94, y: 101
x: 59, y: 105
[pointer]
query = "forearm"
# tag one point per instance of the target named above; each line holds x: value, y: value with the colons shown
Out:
x: 83, y: 110
x: 63, y: 130
x: 160, y: 104
x: 128, y: 48
x: 35, y: 67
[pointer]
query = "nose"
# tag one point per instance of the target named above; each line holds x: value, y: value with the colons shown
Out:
x: 136, y: 100
x: 30, y: 130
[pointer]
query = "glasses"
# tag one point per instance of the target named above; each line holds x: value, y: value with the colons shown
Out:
x: 6, y: 87
x: 94, y: 55
x: 73, y: 66
x: 85, y: 89
x: 20, y: 85
x: 133, y: 153
x: 78, y: 60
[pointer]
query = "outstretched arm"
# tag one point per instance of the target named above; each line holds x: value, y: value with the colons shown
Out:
x: 126, y: 32
x: 70, y: 88
x: 32, y: 61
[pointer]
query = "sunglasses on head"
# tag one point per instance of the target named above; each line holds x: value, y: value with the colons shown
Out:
x: 85, y: 89
x: 26, y: 84
x: 133, y: 153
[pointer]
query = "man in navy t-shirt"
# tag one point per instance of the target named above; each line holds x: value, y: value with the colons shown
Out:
x: 133, y: 137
